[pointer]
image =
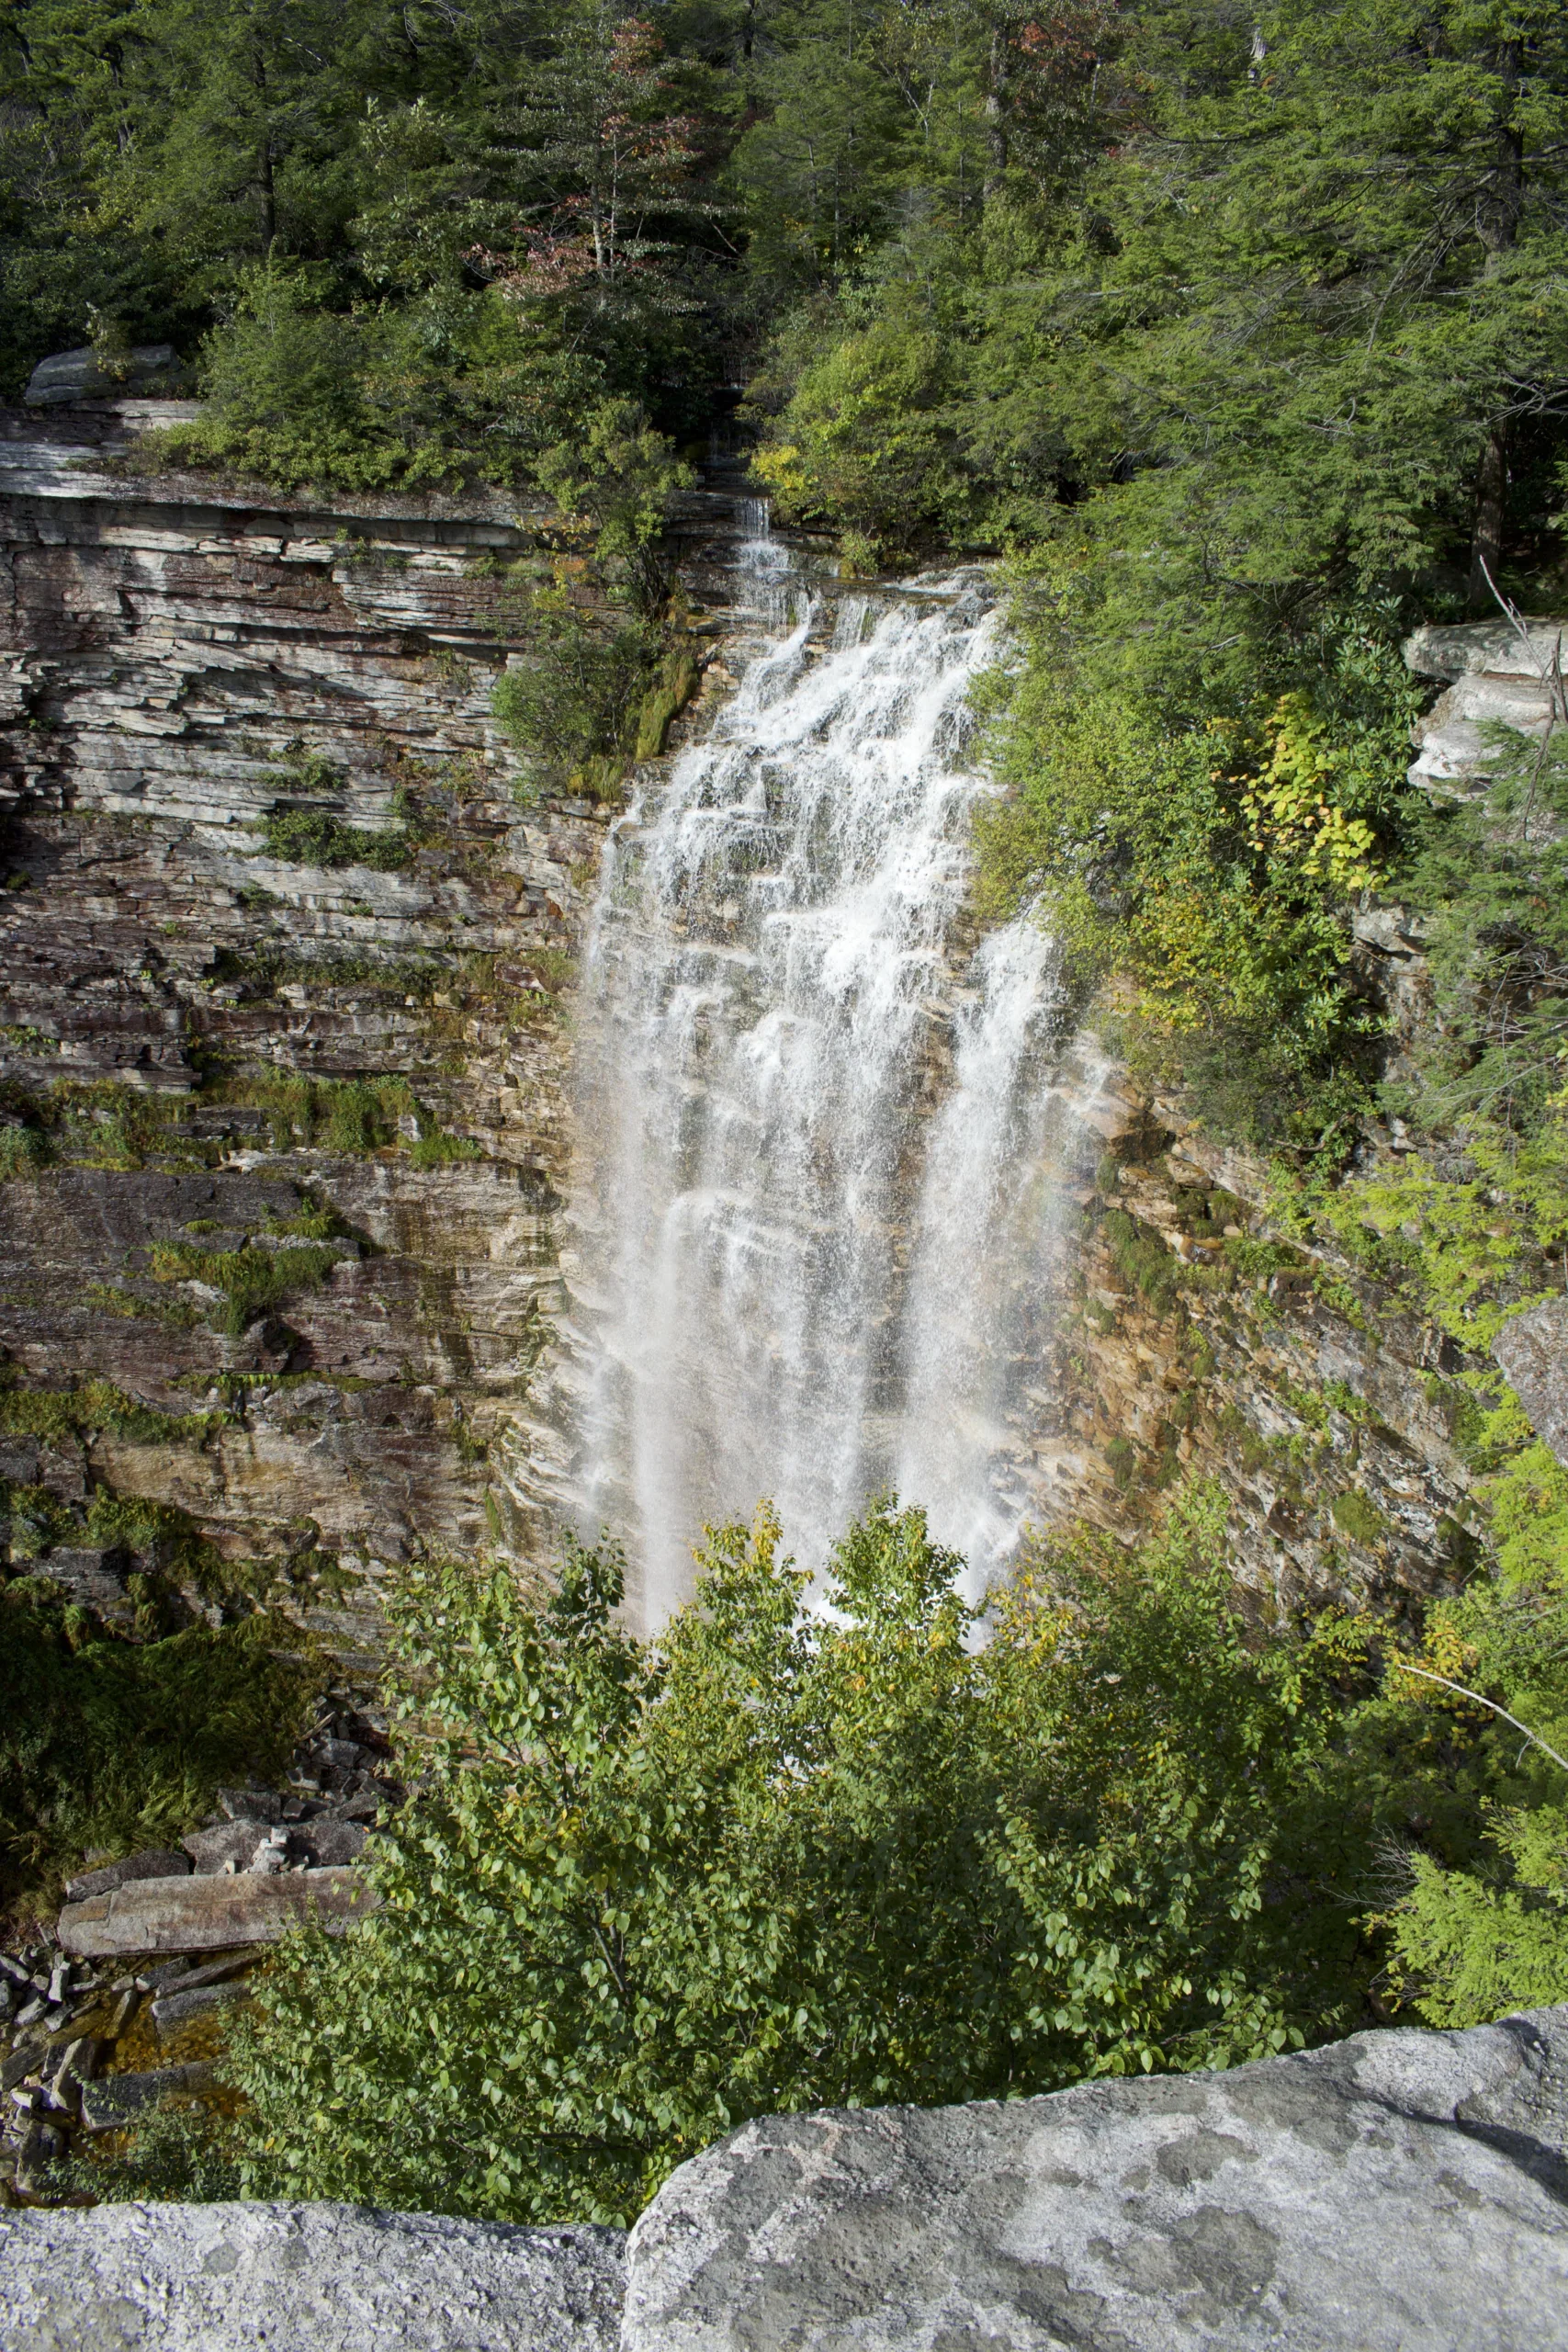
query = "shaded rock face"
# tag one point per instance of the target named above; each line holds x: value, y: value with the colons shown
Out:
x: 1185, y: 1338
x: 1399, y: 2192
x: 302, y: 2279
x: 1532, y: 1350
x: 232, y: 1052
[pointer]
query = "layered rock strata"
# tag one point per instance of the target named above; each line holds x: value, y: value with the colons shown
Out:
x: 282, y: 1102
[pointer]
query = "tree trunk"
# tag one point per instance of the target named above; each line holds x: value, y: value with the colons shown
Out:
x: 996, y: 120
x: 1491, y: 488
x: 1502, y: 196
x: 1498, y: 221
x: 268, y: 191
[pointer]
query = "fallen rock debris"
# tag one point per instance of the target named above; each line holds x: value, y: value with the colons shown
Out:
x: 166, y: 1937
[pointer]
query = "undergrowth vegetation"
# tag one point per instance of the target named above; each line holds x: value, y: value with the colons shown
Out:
x: 784, y: 1859
x: 109, y: 1744
x: 106, y: 1124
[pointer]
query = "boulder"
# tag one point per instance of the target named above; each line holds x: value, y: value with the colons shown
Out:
x: 171, y: 2009
x: 203, y: 1914
x: 1493, y: 648
x: 178, y: 1977
x: 1532, y: 1350
x: 156, y: 1862
x: 1397, y: 2192
x: 252, y: 1804
x: 118, y: 2099
x: 303, y: 2278
x: 84, y: 375
x: 328, y: 1842
x: 230, y: 1846
x: 93, y: 1575
x: 1495, y: 677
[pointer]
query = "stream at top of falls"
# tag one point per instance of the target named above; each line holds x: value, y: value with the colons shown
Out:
x: 813, y: 1216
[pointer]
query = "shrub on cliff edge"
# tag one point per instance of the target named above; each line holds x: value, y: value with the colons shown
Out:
x: 781, y: 1860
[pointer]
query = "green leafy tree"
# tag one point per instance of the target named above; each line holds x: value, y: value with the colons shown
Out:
x: 819, y: 170
x: 782, y: 1858
x: 865, y: 443
x: 1480, y: 1933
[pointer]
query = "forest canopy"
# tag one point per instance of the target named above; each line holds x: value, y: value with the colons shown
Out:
x: 1240, y: 333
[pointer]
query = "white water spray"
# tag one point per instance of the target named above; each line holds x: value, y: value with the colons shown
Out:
x: 809, y: 1217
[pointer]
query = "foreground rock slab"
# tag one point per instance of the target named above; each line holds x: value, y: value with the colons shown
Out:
x: 1398, y: 2192
x: 202, y: 1913
x: 302, y: 2279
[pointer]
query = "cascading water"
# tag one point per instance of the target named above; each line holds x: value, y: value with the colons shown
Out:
x: 809, y: 1223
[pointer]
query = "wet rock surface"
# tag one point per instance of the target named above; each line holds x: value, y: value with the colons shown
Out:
x: 1398, y: 2192
x: 302, y: 2279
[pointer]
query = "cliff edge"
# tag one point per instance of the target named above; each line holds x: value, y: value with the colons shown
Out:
x: 1399, y: 2190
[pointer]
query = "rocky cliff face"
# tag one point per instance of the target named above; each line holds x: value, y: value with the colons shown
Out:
x: 283, y: 1114
x: 1189, y: 1337
x: 284, y: 1051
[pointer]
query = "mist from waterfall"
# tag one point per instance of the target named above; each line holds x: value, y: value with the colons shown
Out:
x: 809, y: 1217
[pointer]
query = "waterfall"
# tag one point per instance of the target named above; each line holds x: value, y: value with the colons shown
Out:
x: 809, y: 1222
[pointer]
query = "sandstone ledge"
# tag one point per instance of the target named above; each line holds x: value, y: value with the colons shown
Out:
x: 211, y: 1914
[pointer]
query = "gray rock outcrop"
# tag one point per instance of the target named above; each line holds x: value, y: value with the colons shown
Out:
x: 1532, y: 1350
x: 90, y: 374
x: 302, y: 2279
x: 1495, y: 676
x: 1396, y: 2191
x: 211, y: 1914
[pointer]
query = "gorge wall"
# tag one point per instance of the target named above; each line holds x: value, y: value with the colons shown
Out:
x: 283, y: 1131
x: 287, y: 1141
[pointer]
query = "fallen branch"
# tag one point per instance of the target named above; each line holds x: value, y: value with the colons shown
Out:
x: 1405, y: 1667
